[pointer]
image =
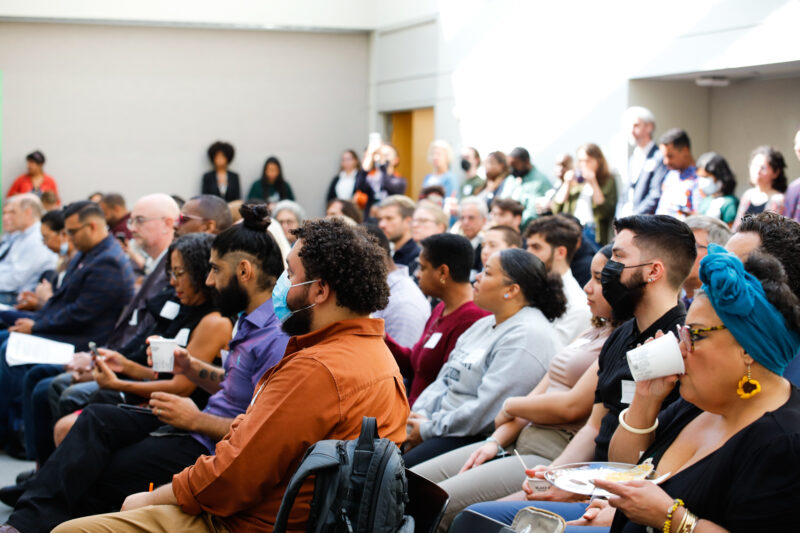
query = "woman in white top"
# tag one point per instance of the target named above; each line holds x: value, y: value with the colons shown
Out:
x: 343, y: 185
x: 768, y: 177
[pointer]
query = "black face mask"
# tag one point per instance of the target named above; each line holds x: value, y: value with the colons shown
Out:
x: 622, y: 298
x: 518, y: 172
x: 232, y: 299
x: 465, y: 165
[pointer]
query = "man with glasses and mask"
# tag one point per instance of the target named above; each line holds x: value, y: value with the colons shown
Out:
x: 336, y: 370
x: 651, y: 257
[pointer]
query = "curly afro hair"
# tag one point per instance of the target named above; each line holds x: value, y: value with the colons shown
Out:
x: 347, y: 258
x: 780, y: 238
x: 195, y: 250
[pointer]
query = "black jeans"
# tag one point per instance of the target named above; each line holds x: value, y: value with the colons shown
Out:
x: 436, y: 446
x: 107, y: 455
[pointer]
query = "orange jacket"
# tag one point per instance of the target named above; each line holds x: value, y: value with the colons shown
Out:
x: 327, y: 381
x: 24, y: 184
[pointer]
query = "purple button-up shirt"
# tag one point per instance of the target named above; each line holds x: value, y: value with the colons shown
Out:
x: 258, y: 346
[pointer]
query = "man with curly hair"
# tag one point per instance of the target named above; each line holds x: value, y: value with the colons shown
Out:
x: 336, y: 370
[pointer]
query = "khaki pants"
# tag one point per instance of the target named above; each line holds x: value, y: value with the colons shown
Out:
x: 494, y: 479
x: 166, y: 518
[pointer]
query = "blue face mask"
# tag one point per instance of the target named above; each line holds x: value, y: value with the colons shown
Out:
x: 279, y: 294
x: 63, y: 249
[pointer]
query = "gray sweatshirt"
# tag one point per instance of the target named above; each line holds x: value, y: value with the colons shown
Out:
x: 487, y: 365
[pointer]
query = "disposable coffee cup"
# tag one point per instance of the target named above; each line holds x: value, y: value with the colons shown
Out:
x: 163, y: 354
x: 656, y: 359
x: 539, y: 485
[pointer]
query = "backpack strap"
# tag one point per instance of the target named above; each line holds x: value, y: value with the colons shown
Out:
x: 362, y: 456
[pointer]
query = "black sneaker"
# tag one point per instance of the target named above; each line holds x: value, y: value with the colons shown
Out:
x: 11, y: 494
x: 26, y: 475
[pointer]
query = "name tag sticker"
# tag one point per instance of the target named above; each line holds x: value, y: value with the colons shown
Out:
x: 170, y: 310
x: 433, y: 341
x: 628, y: 390
x: 182, y: 338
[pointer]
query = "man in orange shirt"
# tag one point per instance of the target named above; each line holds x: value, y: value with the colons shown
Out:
x: 337, y: 370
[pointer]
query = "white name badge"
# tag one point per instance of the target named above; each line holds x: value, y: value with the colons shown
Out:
x: 170, y: 310
x: 433, y: 341
x: 628, y: 390
x: 182, y: 338
x: 134, y: 321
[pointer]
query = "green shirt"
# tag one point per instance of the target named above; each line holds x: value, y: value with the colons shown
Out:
x: 272, y: 193
x: 721, y: 207
x: 527, y: 191
x: 472, y: 186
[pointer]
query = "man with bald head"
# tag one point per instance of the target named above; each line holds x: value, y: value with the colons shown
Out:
x: 205, y: 213
x: 23, y: 254
x: 152, y: 223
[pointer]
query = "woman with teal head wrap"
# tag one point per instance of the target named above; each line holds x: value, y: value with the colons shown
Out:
x: 731, y: 444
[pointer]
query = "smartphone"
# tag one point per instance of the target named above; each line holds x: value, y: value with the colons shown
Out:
x: 136, y: 408
x: 95, y: 353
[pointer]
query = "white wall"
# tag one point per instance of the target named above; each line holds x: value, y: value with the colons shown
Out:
x: 133, y: 109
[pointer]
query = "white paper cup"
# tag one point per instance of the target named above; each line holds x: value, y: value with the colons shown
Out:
x: 539, y: 485
x: 656, y: 359
x: 163, y: 354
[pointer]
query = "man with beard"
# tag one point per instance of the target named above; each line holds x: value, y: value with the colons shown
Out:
x: 526, y: 184
x: 554, y: 239
x: 112, y: 452
x: 337, y: 369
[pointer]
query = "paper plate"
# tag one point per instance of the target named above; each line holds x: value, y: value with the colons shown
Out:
x: 577, y: 477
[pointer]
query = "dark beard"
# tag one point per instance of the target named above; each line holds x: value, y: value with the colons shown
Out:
x: 299, y: 323
x: 232, y: 299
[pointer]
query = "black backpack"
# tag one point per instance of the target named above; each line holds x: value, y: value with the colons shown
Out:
x: 360, y: 486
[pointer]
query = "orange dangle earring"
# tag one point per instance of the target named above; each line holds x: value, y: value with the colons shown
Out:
x: 748, y: 387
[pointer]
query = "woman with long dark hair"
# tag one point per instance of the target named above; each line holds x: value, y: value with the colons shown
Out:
x: 768, y: 177
x: 716, y: 183
x: 271, y: 187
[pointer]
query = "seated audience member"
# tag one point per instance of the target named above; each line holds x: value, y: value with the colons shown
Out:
x: 271, y: 187
x: 380, y: 179
x: 553, y: 239
x: 499, y: 238
x: 732, y: 441
x: 791, y: 204
x: 95, y: 197
x: 290, y: 215
x: 117, y: 215
x: 336, y: 371
x: 440, y: 155
x: 221, y: 182
x: 500, y: 355
x: 343, y: 184
x: 582, y: 260
x: 23, y: 254
x: 471, y: 220
x: 407, y: 312
x: 641, y: 187
x: 526, y: 184
x: 537, y: 426
x: 98, y: 284
x: 716, y: 183
x: 589, y: 193
x: 394, y: 219
x: 680, y: 196
x: 205, y: 213
x: 496, y: 171
x: 428, y: 219
x: 110, y: 452
x: 470, y: 163
x: 657, y: 252
x: 563, y: 164
x: 344, y: 208
x: 50, y: 201
x: 706, y: 230
x: 433, y: 194
x: 506, y: 212
x: 152, y: 224
x: 444, y: 267
x: 768, y: 178
x: 34, y: 181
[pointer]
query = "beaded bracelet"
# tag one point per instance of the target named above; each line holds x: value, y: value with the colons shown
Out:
x: 672, y: 508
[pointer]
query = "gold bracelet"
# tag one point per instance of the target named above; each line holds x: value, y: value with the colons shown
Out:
x: 691, y: 523
x: 672, y: 508
x: 682, y: 523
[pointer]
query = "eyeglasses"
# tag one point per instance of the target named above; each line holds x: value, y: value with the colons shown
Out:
x: 183, y: 218
x: 175, y: 274
x: 689, y: 336
x: 74, y: 231
x: 138, y: 221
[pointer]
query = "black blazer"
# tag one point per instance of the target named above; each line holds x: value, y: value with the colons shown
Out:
x: 647, y: 189
x: 234, y: 192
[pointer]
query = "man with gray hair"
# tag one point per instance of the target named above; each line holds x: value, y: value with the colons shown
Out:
x: 641, y: 187
x: 23, y: 254
x: 472, y: 217
x: 706, y: 230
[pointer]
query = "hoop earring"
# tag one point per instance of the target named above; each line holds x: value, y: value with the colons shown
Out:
x: 748, y: 387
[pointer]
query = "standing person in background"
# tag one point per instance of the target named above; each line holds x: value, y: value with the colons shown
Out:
x: 271, y: 187
x: 641, y: 188
x: 381, y: 180
x: 496, y: 169
x: 563, y: 164
x: 716, y: 183
x: 221, y: 181
x: 343, y: 184
x: 470, y: 162
x: 526, y: 184
x: 589, y: 193
x: 440, y: 154
x: 768, y: 178
x: 791, y: 206
x: 35, y: 180
x: 394, y: 219
x: 117, y: 215
x: 679, y: 193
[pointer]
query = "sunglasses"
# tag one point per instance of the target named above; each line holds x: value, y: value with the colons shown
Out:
x: 689, y: 335
x: 184, y: 218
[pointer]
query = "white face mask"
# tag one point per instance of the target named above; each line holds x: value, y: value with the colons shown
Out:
x: 709, y: 186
